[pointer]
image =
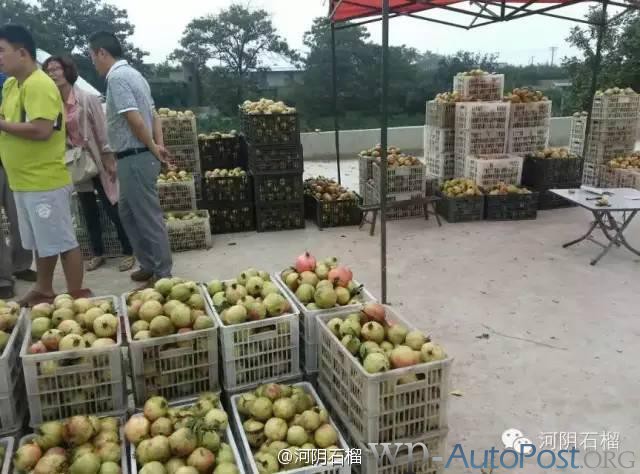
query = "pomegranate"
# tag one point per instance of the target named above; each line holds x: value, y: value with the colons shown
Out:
x: 183, y: 442
x: 27, y: 457
x: 374, y: 312
x: 53, y: 463
x: 77, y: 430
x: 137, y: 429
x: 155, y: 407
x: 49, y: 435
x: 325, y: 436
x: 305, y: 263
x: 404, y: 356
x: 340, y: 276
x: 202, y: 459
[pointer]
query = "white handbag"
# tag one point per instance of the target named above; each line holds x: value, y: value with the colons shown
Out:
x: 78, y: 159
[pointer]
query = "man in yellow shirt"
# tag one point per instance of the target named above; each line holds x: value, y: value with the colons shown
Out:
x: 32, y: 147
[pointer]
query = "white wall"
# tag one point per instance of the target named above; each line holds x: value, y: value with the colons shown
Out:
x: 322, y: 144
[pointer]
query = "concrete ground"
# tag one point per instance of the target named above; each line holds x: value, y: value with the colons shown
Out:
x: 542, y: 341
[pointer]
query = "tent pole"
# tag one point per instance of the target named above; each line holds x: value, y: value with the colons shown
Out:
x: 383, y: 153
x: 595, y: 71
x: 334, y: 78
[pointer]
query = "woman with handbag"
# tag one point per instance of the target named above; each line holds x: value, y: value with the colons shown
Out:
x: 89, y: 159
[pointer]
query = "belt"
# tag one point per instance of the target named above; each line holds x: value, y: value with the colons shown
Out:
x: 130, y: 152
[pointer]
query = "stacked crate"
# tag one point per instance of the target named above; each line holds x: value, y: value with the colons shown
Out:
x: 440, y: 140
x: 181, y: 140
x: 577, y: 133
x: 481, y: 129
x: 404, y: 183
x: 529, y: 126
x: 176, y: 191
x: 402, y: 405
x: 227, y: 189
x: 613, y: 133
x: 482, y: 86
x: 276, y: 166
x: 110, y: 240
x: 552, y: 169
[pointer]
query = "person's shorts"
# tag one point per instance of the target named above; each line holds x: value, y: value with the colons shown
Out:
x: 44, y: 219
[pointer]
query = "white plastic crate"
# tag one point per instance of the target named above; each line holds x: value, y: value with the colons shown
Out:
x: 322, y: 469
x: 124, y: 464
x: 440, y: 114
x: 372, y: 198
x: 528, y: 140
x: 194, y: 234
x: 439, y: 140
x: 478, y: 142
x: 482, y: 115
x: 602, y: 153
x: 257, y: 352
x: 375, y: 407
x: 375, y: 463
x: 616, y: 107
x: 7, y: 444
x: 401, y: 179
x: 227, y: 438
x: 186, y: 158
x: 489, y: 170
x: 365, y: 165
x: 177, y: 195
x: 627, y: 178
x: 530, y: 114
x: 614, y: 132
x: 179, y: 131
x: 175, y: 367
x: 442, y: 166
x: 593, y: 174
x: 12, y: 392
x: 84, y: 382
x: 308, y: 322
x: 485, y: 87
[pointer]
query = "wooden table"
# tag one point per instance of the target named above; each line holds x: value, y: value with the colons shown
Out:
x: 619, y: 202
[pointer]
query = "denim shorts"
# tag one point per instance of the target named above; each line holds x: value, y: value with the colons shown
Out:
x: 44, y: 219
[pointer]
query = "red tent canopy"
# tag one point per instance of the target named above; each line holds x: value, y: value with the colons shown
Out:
x: 345, y: 10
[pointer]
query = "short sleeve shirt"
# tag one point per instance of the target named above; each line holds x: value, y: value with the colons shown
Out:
x: 127, y: 90
x: 33, y: 165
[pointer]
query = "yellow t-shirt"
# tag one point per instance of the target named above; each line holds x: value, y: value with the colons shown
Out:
x: 34, y: 165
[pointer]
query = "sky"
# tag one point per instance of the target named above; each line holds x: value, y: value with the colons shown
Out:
x: 160, y: 23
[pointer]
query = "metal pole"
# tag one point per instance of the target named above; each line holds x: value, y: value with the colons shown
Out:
x: 595, y: 71
x: 334, y: 76
x: 384, y: 122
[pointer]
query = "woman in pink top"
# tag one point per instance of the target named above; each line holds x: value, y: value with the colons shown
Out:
x: 82, y: 108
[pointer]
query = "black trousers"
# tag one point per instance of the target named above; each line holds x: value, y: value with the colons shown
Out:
x: 89, y: 207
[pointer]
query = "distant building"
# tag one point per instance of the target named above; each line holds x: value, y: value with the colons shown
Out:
x: 278, y: 81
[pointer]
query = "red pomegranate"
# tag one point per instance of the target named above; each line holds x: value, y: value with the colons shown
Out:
x: 305, y: 263
x: 341, y: 276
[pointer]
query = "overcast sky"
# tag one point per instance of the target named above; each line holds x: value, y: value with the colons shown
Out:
x: 159, y: 26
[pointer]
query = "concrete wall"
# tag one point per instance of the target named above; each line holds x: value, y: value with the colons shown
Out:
x: 322, y: 144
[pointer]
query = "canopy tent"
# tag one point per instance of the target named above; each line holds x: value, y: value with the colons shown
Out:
x: 350, y: 13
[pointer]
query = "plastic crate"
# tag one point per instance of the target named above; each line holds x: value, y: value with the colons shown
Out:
x: 238, y: 217
x: 489, y: 170
x: 124, y: 464
x: 627, y: 178
x: 194, y: 234
x: 548, y: 200
x: 440, y: 114
x: 257, y: 352
x: 271, y: 129
x: 333, y: 213
x: 616, y: 107
x: 614, y: 131
x: 110, y: 243
x: 365, y: 167
x: 227, y: 190
x: 442, y: 166
x: 401, y: 179
x: 478, y: 142
x: 530, y: 114
x: 343, y: 468
x: 460, y: 209
x: 308, y: 322
x: 374, y: 461
x: 177, y: 195
x: 7, y: 444
x: 485, y: 87
x: 174, y: 367
x: 227, y: 438
x: 13, y: 410
x: 375, y: 407
x: 84, y: 382
x: 482, y: 115
x: 278, y: 187
x: 276, y: 216
x: 511, y: 207
x: 223, y: 152
x: 179, y: 131
x: 185, y: 158
x: 600, y: 153
x: 372, y: 198
x: 439, y: 140
x: 544, y: 172
x: 275, y: 159
x: 527, y: 140
x: 593, y: 174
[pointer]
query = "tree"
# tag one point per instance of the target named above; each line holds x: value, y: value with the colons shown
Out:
x: 237, y: 39
x: 64, y: 27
